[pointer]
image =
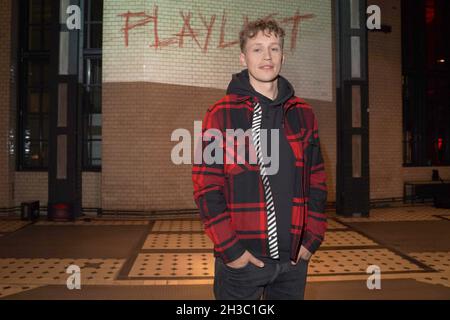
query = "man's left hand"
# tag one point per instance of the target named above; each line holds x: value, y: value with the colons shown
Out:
x: 304, y: 254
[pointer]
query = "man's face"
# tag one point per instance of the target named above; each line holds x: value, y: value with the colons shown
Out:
x: 263, y: 56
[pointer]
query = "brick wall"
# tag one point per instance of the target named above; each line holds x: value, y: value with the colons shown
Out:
x: 385, y: 94
x: 6, y: 116
x: 34, y: 186
x: 195, y: 43
x: 31, y: 186
x: 149, y: 93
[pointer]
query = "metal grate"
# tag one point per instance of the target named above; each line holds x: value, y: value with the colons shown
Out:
x: 439, y: 261
x: 173, y: 265
x: 177, y: 226
x: 346, y: 239
x: 178, y: 241
x: 334, y: 225
x: 53, y: 271
x: 357, y: 261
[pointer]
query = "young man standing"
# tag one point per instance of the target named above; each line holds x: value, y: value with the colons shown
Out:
x: 265, y: 227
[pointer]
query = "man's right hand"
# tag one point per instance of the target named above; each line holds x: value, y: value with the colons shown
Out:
x: 245, y: 259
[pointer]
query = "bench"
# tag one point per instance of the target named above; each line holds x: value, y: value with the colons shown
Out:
x: 425, y: 190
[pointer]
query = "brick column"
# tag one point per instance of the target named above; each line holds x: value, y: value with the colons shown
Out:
x: 7, y: 114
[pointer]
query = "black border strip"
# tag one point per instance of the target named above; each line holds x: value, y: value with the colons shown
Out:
x: 442, y: 217
x: 128, y: 265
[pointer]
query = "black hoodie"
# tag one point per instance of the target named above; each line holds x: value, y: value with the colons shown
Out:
x: 282, y: 183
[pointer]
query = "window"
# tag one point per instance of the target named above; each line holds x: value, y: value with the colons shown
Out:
x: 34, y: 98
x: 92, y: 84
x: 426, y: 94
x: 34, y: 92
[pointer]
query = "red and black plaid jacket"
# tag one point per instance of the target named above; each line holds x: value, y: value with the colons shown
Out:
x: 230, y: 197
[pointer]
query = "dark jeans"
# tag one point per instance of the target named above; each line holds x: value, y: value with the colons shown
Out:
x: 275, y: 281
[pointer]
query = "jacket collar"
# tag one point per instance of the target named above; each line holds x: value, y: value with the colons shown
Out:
x: 251, y: 100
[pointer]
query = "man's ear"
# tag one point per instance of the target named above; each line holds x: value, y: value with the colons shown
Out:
x: 283, y: 59
x: 242, y: 59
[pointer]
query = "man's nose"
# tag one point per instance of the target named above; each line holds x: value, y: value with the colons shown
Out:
x: 267, y: 55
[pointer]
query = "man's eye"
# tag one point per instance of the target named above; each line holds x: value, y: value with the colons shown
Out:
x: 256, y: 50
x: 275, y: 49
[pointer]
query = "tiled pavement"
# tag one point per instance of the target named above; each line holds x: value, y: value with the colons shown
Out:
x: 11, y: 225
x: 172, y: 259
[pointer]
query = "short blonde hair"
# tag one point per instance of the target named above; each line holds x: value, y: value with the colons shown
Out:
x: 251, y: 29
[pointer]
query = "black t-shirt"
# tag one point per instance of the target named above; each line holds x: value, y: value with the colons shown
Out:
x: 281, y: 183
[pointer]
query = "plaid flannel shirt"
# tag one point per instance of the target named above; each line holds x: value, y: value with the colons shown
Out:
x: 230, y: 196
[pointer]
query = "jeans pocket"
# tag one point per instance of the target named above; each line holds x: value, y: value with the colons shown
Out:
x: 301, y: 263
x: 236, y: 270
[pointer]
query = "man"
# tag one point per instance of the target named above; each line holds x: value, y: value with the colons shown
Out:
x: 264, y: 227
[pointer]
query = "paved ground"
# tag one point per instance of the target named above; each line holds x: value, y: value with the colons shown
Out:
x: 172, y: 259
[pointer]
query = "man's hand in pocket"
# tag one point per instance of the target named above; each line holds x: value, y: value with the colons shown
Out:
x: 304, y: 255
x: 245, y: 259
